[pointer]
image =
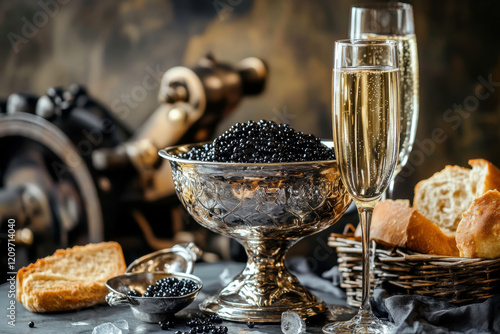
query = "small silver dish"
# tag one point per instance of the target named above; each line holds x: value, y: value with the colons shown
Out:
x: 178, y: 259
x: 148, y: 309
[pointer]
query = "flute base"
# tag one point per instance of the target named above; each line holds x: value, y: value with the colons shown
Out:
x: 363, y: 322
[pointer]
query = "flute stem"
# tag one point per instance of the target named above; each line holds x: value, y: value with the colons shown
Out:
x: 365, y: 217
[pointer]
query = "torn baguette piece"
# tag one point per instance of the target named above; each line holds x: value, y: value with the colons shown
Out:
x: 447, y: 194
x: 71, y: 278
x: 478, y: 233
x: 397, y: 224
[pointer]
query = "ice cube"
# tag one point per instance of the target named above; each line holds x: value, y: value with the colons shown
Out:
x: 106, y: 328
x: 292, y: 323
x: 80, y: 323
x: 142, y: 329
x: 122, y: 324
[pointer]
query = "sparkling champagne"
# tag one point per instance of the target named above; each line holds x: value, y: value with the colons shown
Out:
x: 408, y: 85
x: 366, y: 128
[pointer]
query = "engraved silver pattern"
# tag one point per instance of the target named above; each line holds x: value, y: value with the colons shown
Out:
x: 267, y: 208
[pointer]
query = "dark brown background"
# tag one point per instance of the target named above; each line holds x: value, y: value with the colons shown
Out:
x: 110, y: 45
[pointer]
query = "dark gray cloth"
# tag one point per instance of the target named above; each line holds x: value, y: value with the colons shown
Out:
x: 422, y: 314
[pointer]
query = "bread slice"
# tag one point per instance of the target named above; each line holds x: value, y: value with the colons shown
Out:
x: 447, y: 194
x: 399, y: 225
x: 478, y: 233
x: 71, y: 278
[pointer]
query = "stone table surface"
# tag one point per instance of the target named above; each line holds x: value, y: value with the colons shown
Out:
x: 83, y: 321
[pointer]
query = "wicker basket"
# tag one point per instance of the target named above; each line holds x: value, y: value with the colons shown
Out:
x: 452, y: 279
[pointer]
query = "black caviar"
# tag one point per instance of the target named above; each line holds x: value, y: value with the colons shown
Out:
x: 206, y: 325
x: 31, y: 324
x: 261, y: 142
x: 133, y: 293
x: 214, y: 318
x: 208, y: 330
x: 165, y: 325
x: 168, y: 287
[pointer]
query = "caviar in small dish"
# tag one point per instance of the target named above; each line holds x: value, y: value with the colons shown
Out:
x: 161, y: 300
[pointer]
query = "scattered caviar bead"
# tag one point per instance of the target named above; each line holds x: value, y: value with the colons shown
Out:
x: 163, y: 325
x: 250, y: 324
x: 206, y: 325
x: 261, y: 142
x: 31, y: 324
x: 214, y: 318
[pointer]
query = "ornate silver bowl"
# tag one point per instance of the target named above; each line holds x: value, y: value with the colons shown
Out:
x: 267, y: 208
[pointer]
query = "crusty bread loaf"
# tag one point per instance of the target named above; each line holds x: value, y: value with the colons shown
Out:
x: 397, y: 224
x: 446, y: 195
x: 478, y: 233
x: 70, y: 278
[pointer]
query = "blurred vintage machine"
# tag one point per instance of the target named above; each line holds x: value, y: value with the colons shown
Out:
x: 71, y: 172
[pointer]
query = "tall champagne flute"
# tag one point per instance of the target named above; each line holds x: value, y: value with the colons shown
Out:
x: 394, y: 21
x: 366, y: 137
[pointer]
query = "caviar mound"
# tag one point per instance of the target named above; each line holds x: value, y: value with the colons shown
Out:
x: 261, y: 142
x: 168, y: 287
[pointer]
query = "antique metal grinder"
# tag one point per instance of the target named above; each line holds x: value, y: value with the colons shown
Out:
x: 71, y: 172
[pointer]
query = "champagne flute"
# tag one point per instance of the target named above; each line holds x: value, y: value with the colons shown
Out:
x: 366, y: 137
x: 394, y: 21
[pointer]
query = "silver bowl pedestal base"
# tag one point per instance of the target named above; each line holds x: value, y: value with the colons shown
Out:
x: 265, y: 289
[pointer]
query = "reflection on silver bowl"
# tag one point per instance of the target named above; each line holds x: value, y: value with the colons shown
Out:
x: 267, y: 208
x: 148, y: 309
x: 178, y: 259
